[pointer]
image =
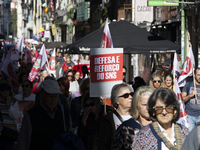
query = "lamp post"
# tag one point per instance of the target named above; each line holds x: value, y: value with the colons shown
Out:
x: 8, y: 27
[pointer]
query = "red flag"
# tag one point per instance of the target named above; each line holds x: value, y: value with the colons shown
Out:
x: 41, y: 60
x: 64, y: 66
x: 106, y: 39
x: 34, y: 54
x: 187, y: 68
x: 184, y: 120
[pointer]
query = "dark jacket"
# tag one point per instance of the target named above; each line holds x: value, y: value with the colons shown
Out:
x: 106, y: 132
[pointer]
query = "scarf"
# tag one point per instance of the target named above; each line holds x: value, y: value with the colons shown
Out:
x: 178, y: 136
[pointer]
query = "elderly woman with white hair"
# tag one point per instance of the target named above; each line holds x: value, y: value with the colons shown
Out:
x: 127, y: 131
x: 121, y: 99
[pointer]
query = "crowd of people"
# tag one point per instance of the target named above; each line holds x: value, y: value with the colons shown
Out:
x: 48, y: 112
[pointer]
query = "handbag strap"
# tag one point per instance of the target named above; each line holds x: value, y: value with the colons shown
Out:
x: 118, y: 116
x: 63, y: 114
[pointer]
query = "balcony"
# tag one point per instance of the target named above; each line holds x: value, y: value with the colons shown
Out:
x: 83, y: 11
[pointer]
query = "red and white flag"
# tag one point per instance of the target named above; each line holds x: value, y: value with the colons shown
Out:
x: 106, y: 39
x: 187, y: 68
x: 184, y: 120
x: 52, y: 63
x: 52, y: 8
x: 40, y: 61
x: 175, y: 68
x: 18, y: 47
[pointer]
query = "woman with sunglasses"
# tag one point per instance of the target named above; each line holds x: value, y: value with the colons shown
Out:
x: 121, y: 99
x: 90, y: 121
x: 156, y: 80
x: 168, y: 81
x: 9, y: 113
x: 127, y: 131
x: 164, y: 133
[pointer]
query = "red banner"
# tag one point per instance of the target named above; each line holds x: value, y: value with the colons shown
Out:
x: 106, y: 67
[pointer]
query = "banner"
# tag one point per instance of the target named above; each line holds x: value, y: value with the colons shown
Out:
x: 187, y: 68
x: 106, y: 66
x: 18, y: 47
x: 106, y: 39
x: 41, y: 60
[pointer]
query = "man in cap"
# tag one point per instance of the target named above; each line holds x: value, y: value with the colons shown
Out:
x: 43, y: 123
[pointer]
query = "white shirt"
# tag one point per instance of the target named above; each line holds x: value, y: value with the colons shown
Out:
x: 118, y: 122
x: 20, y: 96
x: 172, y: 140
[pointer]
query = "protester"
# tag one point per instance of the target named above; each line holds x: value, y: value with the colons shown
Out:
x: 156, y: 80
x: 68, y: 61
x: 64, y: 87
x: 121, y: 98
x: 86, y: 60
x: 124, y: 74
x: 192, y: 140
x: 90, y: 122
x: 138, y: 81
x: 77, y: 102
x: 44, y: 122
x: 60, y: 58
x: 127, y: 131
x: 74, y: 85
x: 164, y: 132
x: 191, y: 102
x: 69, y: 75
x: 42, y: 76
x: 168, y: 81
x: 22, y: 77
x: 85, y: 71
x: 9, y: 113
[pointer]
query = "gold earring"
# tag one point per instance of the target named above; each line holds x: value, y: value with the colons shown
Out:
x: 153, y: 114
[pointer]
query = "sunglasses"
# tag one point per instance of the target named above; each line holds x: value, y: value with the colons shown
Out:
x: 69, y: 76
x: 124, y: 73
x: 154, y: 81
x: 27, y: 85
x: 159, y: 109
x: 126, y: 95
x: 4, y: 89
x: 90, y: 104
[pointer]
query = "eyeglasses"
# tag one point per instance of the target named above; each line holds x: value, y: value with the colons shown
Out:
x: 154, y: 81
x: 87, y: 88
x: 90, y: 104
x: 126, y: 95
x: 4, y: 89
x: 23, y: 85
x: 159, y: 109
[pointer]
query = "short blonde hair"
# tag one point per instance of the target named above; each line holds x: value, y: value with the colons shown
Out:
x: 156, y: 74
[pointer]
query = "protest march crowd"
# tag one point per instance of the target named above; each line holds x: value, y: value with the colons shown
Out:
x: 46, y: 103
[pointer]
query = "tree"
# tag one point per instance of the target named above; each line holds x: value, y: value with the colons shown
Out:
x: 14, y: 22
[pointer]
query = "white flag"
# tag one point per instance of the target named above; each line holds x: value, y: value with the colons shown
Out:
x: 52, y: 63
x: 18, y: 47
x: 175, y: 67
x: 187, y: 68
x: 39, y: 63
x: 106, y: 39
x: 184, y: 120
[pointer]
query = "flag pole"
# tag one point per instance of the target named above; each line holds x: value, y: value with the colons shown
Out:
x: 105, y: 105
x: 174, y: 78
x: 194, y: 80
